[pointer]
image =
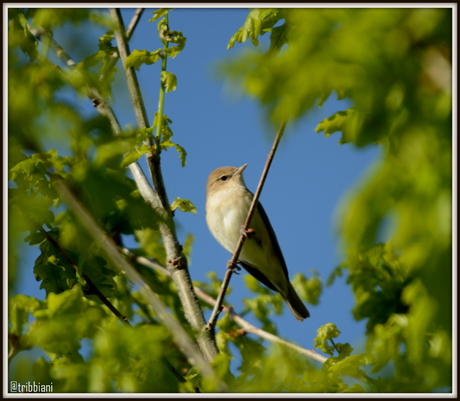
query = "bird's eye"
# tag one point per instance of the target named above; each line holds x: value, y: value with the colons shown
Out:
x: 224, y: 177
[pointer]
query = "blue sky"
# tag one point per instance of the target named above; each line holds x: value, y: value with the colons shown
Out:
x: 308, y: 180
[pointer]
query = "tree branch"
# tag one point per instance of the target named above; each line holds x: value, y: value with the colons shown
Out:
x: 131, y: 77
x: 91, y: 285
x: 176, y: 261
x: 44, y: 36
x: 248, y: 327
x: 132, y: 25
x: 104, y: 108
x: 244, y: 324
x: 134, y: 21
x: 107, y: 245
x: 233, y: 262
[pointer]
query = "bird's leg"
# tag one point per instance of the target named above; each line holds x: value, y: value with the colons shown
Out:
x: 233, y: 266
x: 249, y: 233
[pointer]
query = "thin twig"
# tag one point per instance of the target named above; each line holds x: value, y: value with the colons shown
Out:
x: 44, y: 36
x: 139, y: 109
x: 154, y: 160
x: 244, y: 324
x: 132, y: 25
x: 161, y: 96
x: 134, y: 21
x: 233, y: 262
x: 131, y: 77
x: 104, y: 108
x: 248, y: 327
x: 91, y: 285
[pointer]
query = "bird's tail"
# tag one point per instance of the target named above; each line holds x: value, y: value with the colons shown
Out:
x: 295, y: 303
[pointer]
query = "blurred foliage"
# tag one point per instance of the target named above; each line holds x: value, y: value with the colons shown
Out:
x: 54, y: 135
x: 393, y: 64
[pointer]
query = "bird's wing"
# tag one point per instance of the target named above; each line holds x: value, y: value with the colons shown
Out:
x: 274, y: 240
x: 258, y: 275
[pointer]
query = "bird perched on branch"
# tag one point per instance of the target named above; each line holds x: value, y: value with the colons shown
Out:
x: 227, y: 205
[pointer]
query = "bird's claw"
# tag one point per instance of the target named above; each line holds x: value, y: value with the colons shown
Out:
x: 233, y: 267
x: 249, y: 233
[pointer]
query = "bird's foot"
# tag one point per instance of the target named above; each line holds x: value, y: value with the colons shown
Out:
x: 249, y: 233
x: 233, y: 267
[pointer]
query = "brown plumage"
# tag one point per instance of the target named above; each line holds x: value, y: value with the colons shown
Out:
x: 227, y: 205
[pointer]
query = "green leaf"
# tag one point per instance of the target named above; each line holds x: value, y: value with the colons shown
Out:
x: 134, y: 155
x: 105, y: 42
x: 20, y: 306
x: 66, y: 303
x: 187, y: 245
x: 325, y: 334
x: 112, y: 152
x: 344, y: 350
x: 35, y: 238
x: 34, y: 210
x: 259, y: 21
x: 123, y: 149
x: 67, y: 319
x: 308, y: 289
x: 323, y: 97
x: 254, y: 285
x: 278, y: 38
x: 337, y: 272
x: 174, y: 37
x: 19, y: 35
x: 53, y: 17
x: 355, y: 388
x: 166, y: 136
x: 348, y: 122
x: 54, y: 272
x: 159, y: 13
x: 182, y: 154
x: 150, y: 241
x: 97, y: 269
x: 350, y: 366
x: 139, y: 57
x: 113, y: 198
x: 264, y: 304
x: 184, y: 205
x: 169, y: 81
x: 35, y: 164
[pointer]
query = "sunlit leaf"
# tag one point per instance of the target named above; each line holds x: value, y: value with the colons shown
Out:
x: 134, y: 155
x: 169, y: 81
x: 139, y: 57
x: 161, y: 12
x: 184, y: 205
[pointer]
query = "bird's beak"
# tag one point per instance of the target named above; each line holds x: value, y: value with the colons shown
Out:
x: 240, y: 170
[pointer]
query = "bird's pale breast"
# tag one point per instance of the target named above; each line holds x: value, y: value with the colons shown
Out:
x: 226, y: 211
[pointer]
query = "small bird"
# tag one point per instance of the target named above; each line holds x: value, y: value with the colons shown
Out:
x: 227, y: 205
